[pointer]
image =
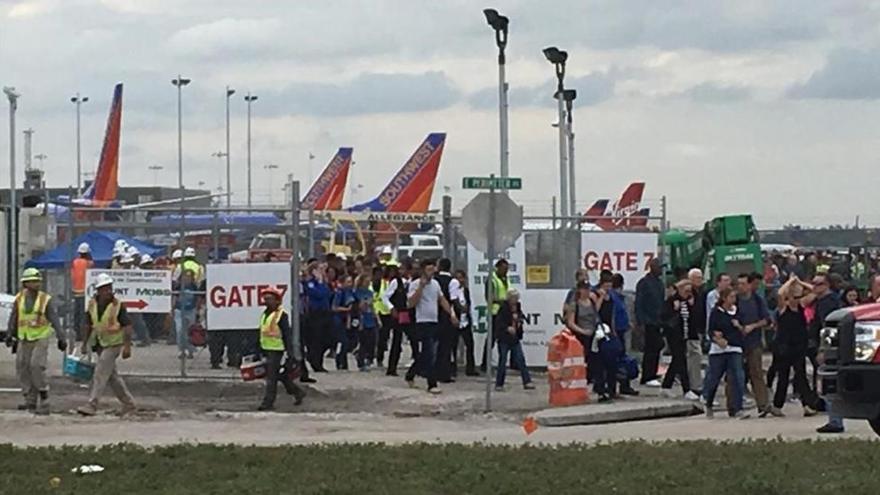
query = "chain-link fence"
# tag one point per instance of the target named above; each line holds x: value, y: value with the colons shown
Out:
x: 190, y: 341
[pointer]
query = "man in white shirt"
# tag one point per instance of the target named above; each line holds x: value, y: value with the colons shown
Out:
x: 426, y: 296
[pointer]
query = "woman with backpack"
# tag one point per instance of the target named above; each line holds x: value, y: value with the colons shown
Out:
x: 509, y: 337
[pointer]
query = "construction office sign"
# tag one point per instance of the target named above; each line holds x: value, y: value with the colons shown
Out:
x: 140, y: 291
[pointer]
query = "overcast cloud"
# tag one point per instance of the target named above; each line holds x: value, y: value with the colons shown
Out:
x: 723, y: 107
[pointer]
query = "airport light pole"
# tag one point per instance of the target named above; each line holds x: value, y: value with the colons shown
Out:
x: 558, y: 58
x: 499, y: 24
x: 180, y: 82
x: 569, y: 96
x: 78, y: 100
x: 270, y: 167
x: 156, y: 169
x: 229, y: 93
x: 12, y: 96
x: 249, y: 98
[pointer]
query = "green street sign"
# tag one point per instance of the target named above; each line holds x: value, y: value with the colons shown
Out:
x: 514, y: 183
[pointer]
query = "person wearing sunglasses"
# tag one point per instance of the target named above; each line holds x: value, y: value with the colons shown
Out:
x: 791, y: 346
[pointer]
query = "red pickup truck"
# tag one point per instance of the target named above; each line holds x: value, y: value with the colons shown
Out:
x: 850, y: 355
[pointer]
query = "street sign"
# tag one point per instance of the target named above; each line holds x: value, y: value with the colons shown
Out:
x: 514, y: 183
x: 475, y: 221
x: 140, y: 291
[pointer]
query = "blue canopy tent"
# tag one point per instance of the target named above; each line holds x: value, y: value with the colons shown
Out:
x: 100, y: 241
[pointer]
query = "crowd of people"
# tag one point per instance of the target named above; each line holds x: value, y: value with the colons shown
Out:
x: 362, y: 310
x: 735, y: 323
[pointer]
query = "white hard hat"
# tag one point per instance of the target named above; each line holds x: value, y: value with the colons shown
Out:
x: 118, y: 252
x: 189, y: 252
x: 387, y: 250
x: 84, y: 248
x: 177, y: 254
x: 146, y: 258
x: 103, y: 279
x: 120, y: 244
x: 132, y: 251
x: 127, y: 258
x: 341, y: 256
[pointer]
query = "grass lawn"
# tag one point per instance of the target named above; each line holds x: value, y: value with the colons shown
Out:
x: 846, y: 467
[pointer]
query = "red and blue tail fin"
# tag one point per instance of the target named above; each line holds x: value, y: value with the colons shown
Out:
x: 411, y: 187
x: 328, y: 189
x: 106, y: 184
x: 596, y: 211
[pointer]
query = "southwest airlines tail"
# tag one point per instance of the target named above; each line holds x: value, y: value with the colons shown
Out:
x: 411, y: 187
x: 328, y: 189
x: 596, y: 211
x: 103, y: 190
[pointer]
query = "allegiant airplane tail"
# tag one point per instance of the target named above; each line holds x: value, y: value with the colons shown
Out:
x: 102, y: 191
x: 411, y: 187
x: 328, y: 189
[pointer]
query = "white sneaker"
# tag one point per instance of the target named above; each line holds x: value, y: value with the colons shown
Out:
x: 435, y: 391
x: 691, y: 396
x: 748, y: 403
x: 653, y: 383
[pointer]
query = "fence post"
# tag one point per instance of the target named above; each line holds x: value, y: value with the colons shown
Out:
x: 447, y: 226
x: 215, y: 235
x: 663, y: 228
x: 311, y: 229
x: 294, y: 268
x: 70, y: 337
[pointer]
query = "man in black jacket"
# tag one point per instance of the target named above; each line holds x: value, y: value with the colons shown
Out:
x: 650, y: 296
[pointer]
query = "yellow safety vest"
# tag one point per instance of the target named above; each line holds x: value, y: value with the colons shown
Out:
x: 270, y: 332
x: 500, y: 287
x: 195, y: 267
x: 107, y: 328
x: 33, y: 326
x: 391, y: 262
x: 378, y: 304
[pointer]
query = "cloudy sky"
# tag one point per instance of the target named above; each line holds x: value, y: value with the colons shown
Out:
x: 758, y: 106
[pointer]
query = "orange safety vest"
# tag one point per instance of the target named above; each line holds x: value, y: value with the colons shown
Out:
x: 567, y: 370
x: 78, y: 275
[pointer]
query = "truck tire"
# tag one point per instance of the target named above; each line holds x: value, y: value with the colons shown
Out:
x: 875, y: 424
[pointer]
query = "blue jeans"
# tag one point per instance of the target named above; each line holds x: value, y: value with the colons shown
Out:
x: 425, y: 336
x: 519, y: 360
x: 183, y: 319
x: 341, y: 345
x: 833, y: 419
x: 730, y: 363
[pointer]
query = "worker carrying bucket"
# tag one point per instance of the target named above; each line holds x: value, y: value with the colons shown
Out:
x: 108, y: 327
x: 276, y: 338
x: 31, y: 325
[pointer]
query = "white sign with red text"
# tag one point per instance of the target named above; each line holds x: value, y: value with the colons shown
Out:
x: 140, y: 291
x: 621, y: 252
x: 233, y: 293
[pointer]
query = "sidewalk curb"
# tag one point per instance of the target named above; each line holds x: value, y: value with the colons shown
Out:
x: 592, y: 414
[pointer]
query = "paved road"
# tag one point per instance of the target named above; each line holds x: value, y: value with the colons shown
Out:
x: 307, y: 428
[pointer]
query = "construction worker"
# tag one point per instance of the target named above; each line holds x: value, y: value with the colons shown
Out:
x: 135, y: 256
x: 109, y: 326
x: 379, y: 285
x: 386, y: 257
x: 118, y: 253
x: 31, y: 324
x: 78, y: 280
x: 498, y: 284
x: 190, y: 263
x: 174, y: 266
x: 276, y: 338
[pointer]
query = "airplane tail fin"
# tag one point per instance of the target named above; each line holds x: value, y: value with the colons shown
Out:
x: 106, y: 184
x: 629, y: 200
x: 596, y: 211
x: 328, y: 189
x: 411, y: 188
